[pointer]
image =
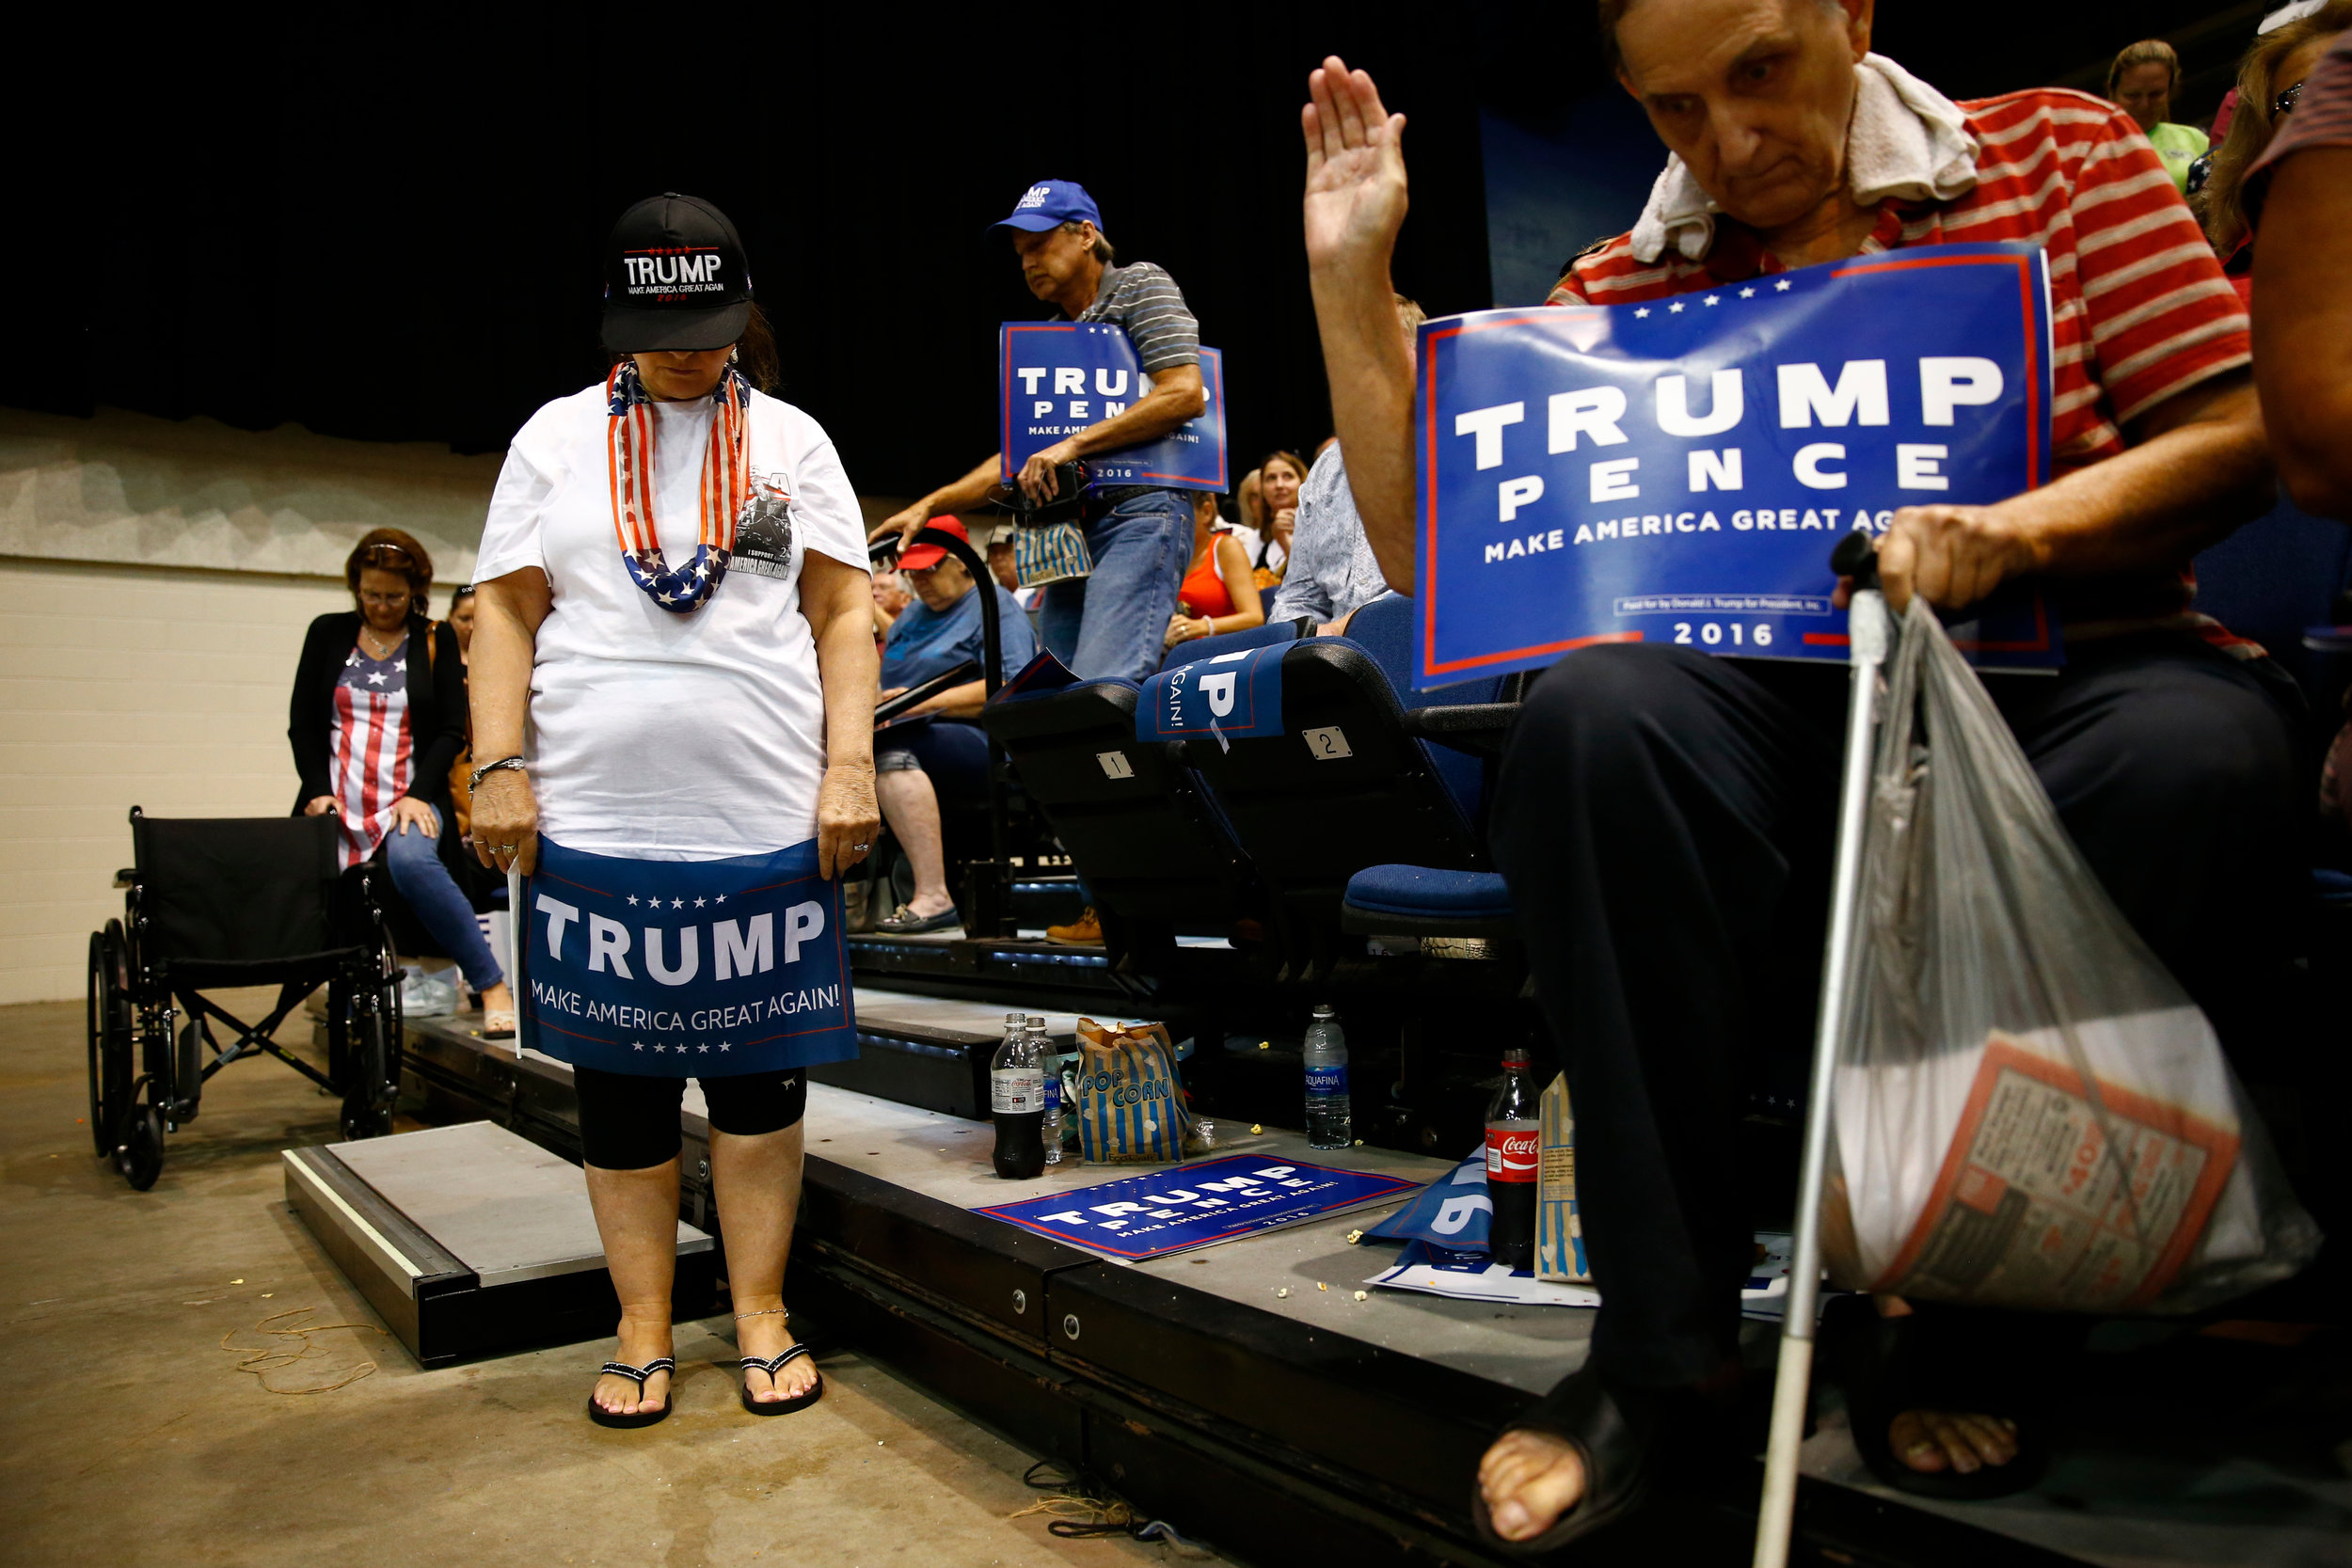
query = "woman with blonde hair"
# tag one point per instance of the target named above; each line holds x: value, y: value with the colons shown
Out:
x: 2269, y: 78
x: 2141, y: 83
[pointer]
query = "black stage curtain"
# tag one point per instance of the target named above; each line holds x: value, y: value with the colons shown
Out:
x: 386, y: 225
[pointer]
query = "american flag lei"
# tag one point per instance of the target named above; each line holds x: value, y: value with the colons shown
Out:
x: 726, y: 488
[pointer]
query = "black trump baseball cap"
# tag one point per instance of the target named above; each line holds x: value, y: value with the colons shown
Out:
x: 675, y: 277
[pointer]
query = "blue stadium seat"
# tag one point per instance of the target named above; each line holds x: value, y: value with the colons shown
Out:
x: 2276, y: 578
x: 1421, y: 901
x: 1142, y: 834
x: 1366, y: 772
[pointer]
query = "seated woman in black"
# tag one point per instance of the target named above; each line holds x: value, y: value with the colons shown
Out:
x: 374, y: 736
x: 939, y: 747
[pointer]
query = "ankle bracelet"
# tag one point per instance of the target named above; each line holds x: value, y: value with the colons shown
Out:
x: 765, y: 1313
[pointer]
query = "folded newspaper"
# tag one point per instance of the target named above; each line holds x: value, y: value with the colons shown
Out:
x: 2036, y: 1186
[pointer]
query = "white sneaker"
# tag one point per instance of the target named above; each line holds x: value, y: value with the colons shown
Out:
x: 423, y: 995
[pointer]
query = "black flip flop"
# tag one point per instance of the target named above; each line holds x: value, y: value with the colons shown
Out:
x: 638, y: 1376
x: 1616, y: 1431
x: 772, y: 1367
x: 1932, y: 1359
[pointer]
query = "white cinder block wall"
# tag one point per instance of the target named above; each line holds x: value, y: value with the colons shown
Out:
x: 155, y: 580
x: 129, y: 685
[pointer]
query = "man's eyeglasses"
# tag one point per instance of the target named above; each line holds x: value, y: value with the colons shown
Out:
x: 2284, y: 103
x: 388, y: 601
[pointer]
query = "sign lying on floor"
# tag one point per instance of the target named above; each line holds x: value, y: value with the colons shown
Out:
x: 1171, y: 1211
x: 1677, y: 471
x: 1442, y: 1271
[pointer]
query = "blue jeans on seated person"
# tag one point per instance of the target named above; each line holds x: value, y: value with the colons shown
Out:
x: 1114, y: 622
x: 432, y: 893
x: 953, y: 753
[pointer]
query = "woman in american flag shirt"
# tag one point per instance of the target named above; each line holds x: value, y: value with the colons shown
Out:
x: 379, y: 714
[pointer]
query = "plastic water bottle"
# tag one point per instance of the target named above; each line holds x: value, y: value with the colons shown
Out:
x: 1016, y: 1091
x: 1330, y: 1117
x: 1051, y: 1129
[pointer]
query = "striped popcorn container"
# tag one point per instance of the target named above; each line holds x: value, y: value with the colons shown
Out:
x: 1130, y: 1105
x: 1559, y: 1226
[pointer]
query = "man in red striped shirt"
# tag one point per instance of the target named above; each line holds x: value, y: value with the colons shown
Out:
x: 1664, y: 818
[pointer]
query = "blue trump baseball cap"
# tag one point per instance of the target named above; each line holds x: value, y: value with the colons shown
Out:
x: 1049, y: 204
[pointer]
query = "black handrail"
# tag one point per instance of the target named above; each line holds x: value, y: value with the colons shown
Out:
x: 992, y: 885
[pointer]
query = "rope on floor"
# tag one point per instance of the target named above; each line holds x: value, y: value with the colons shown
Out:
x: 264, y: 1359
x: 1082, y: 1507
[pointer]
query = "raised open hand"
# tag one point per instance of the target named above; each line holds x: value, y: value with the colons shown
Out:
x: 1355, y: 169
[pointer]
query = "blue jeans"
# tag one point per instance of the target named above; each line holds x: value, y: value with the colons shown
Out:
x: 952, y: 751
x: 1114, y: 622
x: 425, y: 883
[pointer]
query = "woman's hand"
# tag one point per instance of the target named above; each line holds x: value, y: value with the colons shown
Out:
x: 1185, y: 628
x: 506, y: 821
x: 408, y: 811
x: 847, y: 817
x: 1355, y: 170
x: 319, y: 805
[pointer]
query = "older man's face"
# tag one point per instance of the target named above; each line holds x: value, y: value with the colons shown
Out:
x: 1753, y: 95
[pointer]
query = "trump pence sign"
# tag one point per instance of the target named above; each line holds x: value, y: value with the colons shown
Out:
x: 1678, y: 472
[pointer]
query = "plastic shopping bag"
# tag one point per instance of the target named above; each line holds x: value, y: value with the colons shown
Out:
x: 2029, y: 1111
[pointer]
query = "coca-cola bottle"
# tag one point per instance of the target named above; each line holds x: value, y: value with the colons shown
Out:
x: 1514, y: 1136
x: 1016, y: 1087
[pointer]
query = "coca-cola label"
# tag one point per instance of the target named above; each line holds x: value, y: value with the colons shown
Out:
x: 1514, y: 1153
x: 1016, y: 1090
x: 1327, y: 1080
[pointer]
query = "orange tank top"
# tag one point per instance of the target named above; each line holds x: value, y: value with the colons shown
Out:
x: 1204, y: 593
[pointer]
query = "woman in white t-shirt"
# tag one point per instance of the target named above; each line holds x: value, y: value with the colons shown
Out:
x: 647, y: 711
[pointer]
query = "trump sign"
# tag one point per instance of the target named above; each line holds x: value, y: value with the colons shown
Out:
x: 1057, y: 378
x: 1678, y: 472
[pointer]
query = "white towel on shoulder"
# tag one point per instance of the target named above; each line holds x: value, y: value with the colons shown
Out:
x: 1905, y: 140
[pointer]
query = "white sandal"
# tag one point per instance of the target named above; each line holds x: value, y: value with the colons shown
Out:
x: 499, y: 1025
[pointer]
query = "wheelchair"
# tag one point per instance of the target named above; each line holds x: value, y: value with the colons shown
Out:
x: 223, y: 902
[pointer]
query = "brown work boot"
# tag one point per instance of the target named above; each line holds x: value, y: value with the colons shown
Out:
x: 1085, y: 931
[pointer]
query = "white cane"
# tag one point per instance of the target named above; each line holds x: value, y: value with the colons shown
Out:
x: 1868, y: 627
x: 515, y: 920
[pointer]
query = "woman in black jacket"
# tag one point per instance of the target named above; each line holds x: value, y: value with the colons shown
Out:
x: 375, y: 732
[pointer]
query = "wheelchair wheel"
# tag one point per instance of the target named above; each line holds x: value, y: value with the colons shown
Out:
x: 368, y: 1100
x: 141, y: 1156
x: 109, y: 1017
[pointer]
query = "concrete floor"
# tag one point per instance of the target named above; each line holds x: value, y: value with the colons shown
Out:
x: 132, y: 1438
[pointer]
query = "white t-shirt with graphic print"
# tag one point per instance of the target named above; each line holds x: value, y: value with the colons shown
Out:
x: 653, y: 734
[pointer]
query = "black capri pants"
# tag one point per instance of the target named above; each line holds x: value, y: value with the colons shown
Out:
x: 628, y: 1121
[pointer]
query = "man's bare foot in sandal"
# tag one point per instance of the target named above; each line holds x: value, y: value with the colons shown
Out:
x: 1530, y: 1479
x: 762, y: 1335
x: 1961, y: 1441
x: 644, y: 1340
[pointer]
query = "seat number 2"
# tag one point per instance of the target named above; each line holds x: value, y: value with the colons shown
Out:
x: 1327, y: 743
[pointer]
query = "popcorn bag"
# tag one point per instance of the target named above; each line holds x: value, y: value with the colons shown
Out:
x: 1559, y: 1218
x: 1129, y: 1101
x: 2030, y: 1111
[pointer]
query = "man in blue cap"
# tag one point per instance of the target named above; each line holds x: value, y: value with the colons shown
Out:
x: 1113, y: 621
